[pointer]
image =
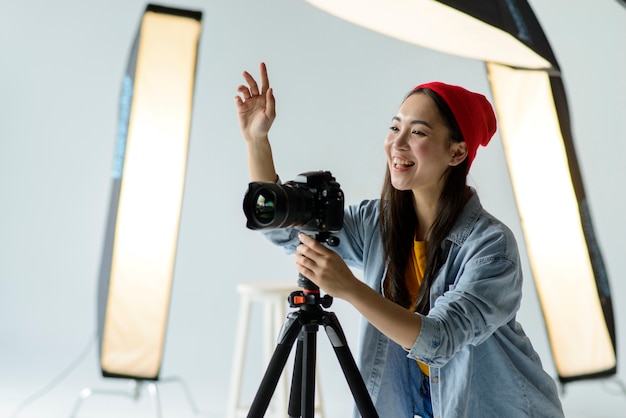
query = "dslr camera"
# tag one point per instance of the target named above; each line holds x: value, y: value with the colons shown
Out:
x: 313, y: 201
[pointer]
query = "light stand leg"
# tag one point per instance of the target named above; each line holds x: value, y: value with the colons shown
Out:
x: 134, y: 392
x: 192, y: 403
x: 136, y: 388
x: 154, y: 394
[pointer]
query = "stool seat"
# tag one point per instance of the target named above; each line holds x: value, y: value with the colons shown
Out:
x: 270, y: 287
x: 272, y: 294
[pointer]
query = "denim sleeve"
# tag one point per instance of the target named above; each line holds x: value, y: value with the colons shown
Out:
x: 484, y: 296
x: 287, y: 238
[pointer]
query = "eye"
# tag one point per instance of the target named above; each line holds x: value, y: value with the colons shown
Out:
x: 418, y: 132
x: 393, y: 128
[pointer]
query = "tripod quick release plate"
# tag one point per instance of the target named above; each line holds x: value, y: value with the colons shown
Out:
x: 299, y: 298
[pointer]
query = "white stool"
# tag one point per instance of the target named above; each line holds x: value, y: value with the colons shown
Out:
x: 273, y: 295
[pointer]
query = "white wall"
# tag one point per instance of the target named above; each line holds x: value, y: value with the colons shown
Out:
x: 337, y: 86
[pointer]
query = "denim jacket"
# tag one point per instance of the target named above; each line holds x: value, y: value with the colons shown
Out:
x: 482, y: 365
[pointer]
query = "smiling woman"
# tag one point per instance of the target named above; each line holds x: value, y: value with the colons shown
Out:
x: 528, y: 90
x: 442, y: 277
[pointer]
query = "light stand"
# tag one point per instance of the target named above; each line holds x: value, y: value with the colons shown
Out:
x: 134, y: 391
x: 149, y: 170
x: 303, y: 325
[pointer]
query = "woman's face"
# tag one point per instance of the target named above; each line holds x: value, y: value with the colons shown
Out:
x: 418, y: 147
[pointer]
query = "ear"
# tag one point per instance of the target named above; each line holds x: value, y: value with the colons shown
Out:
x: 458, y: 153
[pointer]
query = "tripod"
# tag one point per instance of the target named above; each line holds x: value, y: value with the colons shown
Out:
x: 303, y: 325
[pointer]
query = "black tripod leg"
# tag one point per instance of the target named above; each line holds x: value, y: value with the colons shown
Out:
x: 302, y: 395
x: 287, y: 336
x: 308, y: 370
x: 295, y: 395
x: 348, y: 365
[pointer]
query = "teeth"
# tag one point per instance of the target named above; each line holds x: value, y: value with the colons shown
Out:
x: 399, y: 161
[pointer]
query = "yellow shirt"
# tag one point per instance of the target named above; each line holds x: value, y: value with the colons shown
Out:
x: 413, y: 275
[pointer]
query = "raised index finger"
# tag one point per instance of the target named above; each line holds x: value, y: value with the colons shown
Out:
x: 265, y: 81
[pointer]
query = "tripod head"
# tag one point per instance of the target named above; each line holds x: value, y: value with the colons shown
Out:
x: 310, y: 294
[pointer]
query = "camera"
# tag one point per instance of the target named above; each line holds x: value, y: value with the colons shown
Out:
x: 313, y: 201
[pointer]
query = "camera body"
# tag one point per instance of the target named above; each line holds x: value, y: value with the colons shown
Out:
x: 313, y: 201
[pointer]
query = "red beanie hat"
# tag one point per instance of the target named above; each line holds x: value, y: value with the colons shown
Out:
x: 472, y: 112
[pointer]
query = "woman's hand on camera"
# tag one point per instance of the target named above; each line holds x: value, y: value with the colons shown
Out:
x: 324, y: 267
x: 256, y: 109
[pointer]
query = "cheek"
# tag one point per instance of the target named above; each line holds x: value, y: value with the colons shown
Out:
x: 387, y: 145
x: 428, y: 149
x: 420, y: 149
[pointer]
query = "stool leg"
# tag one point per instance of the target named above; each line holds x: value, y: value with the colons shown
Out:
x: 239, y: 358
x: 319, y: 405
x: 269, y: 336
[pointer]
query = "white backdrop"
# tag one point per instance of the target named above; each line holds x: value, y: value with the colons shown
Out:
x: 337, y: 86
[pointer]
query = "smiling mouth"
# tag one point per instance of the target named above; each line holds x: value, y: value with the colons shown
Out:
x: 400, y: 163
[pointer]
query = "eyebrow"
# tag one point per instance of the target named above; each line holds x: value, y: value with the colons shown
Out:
x: 414, y: 122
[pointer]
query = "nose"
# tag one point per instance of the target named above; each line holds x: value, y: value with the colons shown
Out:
x: 400, y: 141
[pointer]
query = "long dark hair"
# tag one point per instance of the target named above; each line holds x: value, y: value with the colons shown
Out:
x: 398, y: 222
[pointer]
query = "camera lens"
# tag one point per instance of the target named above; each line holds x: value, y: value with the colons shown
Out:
x: 269, y: 205
x: 265, y: 207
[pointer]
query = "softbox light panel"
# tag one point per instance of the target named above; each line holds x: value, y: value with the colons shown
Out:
x: 531, y: 106
x: 146, y: 200
x: 570, y: 277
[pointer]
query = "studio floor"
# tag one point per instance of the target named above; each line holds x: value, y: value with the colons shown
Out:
x: 34, y: 393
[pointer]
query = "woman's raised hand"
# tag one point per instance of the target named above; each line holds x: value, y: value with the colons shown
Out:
x: 256, y: 108
x: 256, y: 111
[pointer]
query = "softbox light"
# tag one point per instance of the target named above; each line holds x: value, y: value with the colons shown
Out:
x: 146, y: 200
x: 530, y: 101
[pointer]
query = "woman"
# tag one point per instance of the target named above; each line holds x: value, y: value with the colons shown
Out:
x: 442, y: 276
